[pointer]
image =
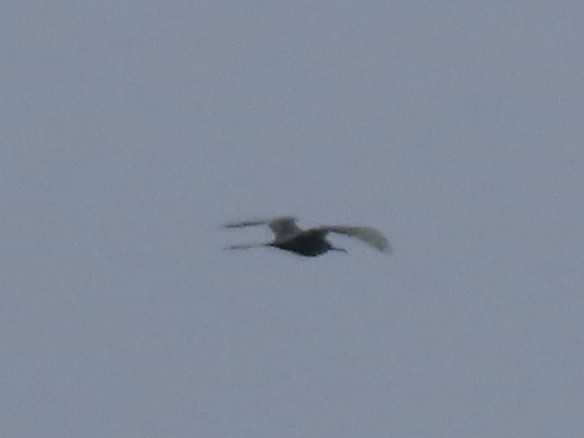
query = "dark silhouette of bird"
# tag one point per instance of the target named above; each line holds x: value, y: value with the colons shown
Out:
x: 311, y: 242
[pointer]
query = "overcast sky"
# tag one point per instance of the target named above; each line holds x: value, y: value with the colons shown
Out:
x: 130, y: 131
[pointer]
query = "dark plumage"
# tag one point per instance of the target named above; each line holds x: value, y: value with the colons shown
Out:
x: 311, y: 242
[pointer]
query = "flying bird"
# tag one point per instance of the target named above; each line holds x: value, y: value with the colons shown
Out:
x: 311, y: 242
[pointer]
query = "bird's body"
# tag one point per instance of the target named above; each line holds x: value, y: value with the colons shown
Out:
x: 311, y: 242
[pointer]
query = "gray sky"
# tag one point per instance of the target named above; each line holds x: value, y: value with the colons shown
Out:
x: 132, y: 130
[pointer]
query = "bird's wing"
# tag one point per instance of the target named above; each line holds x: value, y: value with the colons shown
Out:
x: 246, y: 246
x: 368, y: 235
x: 246, y: 223
x: 282, y: 227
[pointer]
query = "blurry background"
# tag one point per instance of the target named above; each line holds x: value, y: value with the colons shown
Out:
x: 130, y: 131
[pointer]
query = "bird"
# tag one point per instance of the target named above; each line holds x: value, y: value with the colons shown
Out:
x: 310, y: 242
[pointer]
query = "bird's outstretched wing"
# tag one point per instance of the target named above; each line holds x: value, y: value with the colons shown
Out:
x: 368, y: 235
x: 246, y: 246
x: 282, y: 227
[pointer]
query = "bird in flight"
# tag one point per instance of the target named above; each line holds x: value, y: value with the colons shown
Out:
x: 311, y: 242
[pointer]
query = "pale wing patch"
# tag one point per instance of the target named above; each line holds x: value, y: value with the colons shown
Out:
x: 366, y: 234
x: 282, y: 227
